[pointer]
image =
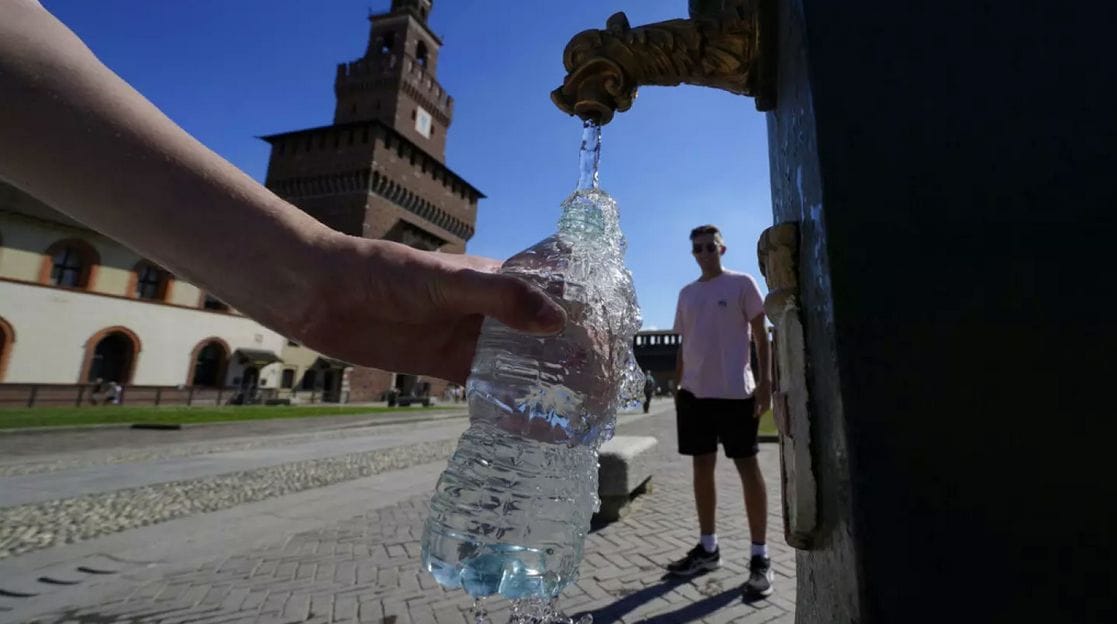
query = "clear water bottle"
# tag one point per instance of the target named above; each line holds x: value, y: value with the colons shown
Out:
x: 510, y: 513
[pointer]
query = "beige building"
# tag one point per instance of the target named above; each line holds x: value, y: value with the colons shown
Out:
x: 76, y: 307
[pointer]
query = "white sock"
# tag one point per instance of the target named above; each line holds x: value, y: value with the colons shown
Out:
x: 709, y: 542
x: 760, y: 550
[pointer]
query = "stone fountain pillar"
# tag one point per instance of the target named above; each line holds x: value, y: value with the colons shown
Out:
x: 942, y: 283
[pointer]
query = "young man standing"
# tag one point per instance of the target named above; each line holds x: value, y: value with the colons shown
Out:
x: 720, y: 400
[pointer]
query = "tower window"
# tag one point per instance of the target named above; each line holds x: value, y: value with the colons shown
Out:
x: 387, y: 43
x: 421, y: 53
x: 422, y: 122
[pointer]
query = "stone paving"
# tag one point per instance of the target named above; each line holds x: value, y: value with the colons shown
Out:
x: 363, y: 567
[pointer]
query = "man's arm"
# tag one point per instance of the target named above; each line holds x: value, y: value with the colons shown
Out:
x: 763, y: 392
x: 77, y: 137
x: 678, y: 329
x: 679, y: 368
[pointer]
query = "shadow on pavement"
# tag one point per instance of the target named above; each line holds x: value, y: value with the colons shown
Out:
x: 695, y: 611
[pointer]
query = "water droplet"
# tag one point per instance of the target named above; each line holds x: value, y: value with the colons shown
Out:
x: 480, y: 615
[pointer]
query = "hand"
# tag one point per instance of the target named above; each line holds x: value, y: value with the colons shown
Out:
x: 389, y: 306
x: 763, y: 396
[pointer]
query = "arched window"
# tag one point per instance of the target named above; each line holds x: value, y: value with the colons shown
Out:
x: 7, y: 339
x: 110, y: 355
x: 208, y: 363
x: 151, y: 282
x: 69, y: 263
x: 421, y: 53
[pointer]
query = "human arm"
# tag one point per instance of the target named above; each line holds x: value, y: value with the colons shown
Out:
x: 678, y: 329
x: 679, y: 368
x: 76, y: 136
x: 763, y: 392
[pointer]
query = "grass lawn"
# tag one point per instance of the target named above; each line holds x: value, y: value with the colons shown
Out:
x: 767, y: 425
x: 94, y: 415
x: 97, y: 415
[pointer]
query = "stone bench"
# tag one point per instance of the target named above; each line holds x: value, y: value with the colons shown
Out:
x: 624, y: 471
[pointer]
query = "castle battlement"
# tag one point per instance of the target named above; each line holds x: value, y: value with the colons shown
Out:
x: 363, y: 75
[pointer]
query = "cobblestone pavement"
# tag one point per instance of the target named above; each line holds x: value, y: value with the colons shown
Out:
x: 363, y: 567
x: 24, y: 528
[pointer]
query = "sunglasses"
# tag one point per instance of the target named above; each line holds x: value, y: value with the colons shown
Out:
x: 708, y: 247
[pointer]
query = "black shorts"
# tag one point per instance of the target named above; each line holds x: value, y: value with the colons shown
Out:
x: 702, y: 423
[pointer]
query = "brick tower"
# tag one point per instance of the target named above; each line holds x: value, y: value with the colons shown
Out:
x: 379, y: 169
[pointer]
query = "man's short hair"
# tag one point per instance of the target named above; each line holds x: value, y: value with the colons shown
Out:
x: 706, y: 229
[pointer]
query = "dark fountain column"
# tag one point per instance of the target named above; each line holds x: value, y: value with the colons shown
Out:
x: 953, y: 167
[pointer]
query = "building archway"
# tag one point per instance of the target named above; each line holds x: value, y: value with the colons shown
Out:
x: 208, y: 362
x: 111, y: 355
x: 7, y: 339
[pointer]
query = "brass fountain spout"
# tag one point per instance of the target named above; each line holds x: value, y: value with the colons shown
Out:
x: 726, y: 44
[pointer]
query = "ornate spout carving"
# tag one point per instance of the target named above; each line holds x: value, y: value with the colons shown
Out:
x: 731, y: 50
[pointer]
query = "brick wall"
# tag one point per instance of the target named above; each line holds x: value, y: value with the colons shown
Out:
x: 368, y: 384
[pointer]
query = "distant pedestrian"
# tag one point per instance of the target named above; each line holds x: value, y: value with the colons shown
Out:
x: 649, y: 390
x: 97, y: 392
x: 112, y: 394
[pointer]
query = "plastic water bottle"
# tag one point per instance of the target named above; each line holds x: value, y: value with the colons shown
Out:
x: 510, y: 513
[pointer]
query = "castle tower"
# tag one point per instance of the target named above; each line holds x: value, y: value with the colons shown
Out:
x: 396, y: 81
x: 379, y: 170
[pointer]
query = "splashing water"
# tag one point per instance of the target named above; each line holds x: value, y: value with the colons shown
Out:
x: 537, y: 611
x: 530, y: 611
x: 510, y: 514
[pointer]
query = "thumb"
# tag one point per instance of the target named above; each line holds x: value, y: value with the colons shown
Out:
x: 509, y: 300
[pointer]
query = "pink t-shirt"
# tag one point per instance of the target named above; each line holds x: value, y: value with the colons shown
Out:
x: 713, y: 319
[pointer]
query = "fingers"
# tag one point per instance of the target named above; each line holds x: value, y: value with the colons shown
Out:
x: 460, y: 285
x: 507, y: 299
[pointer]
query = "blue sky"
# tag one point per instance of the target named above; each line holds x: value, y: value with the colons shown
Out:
x: 231, y: 70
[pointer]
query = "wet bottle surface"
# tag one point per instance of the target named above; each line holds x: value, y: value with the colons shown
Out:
x: 510, y: 513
